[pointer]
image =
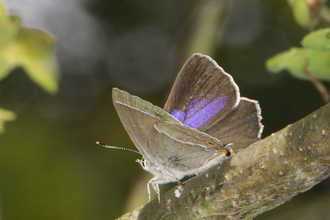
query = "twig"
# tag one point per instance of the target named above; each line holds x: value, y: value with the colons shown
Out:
x: 324, y: 92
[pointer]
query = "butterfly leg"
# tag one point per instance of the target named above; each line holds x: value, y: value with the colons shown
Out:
x: 154, y: 182
x: 148, y: 189
x: 155, y: 185
x: 156, y: 188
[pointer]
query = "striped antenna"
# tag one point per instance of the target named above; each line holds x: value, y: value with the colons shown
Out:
x: 118, y: 148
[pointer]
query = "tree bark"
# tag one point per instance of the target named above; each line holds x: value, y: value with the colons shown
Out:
x: 256, y: 179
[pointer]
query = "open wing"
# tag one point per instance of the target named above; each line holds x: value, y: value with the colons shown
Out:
x: 205, y: 97
x: 241, y: 127
x: 202, y: 94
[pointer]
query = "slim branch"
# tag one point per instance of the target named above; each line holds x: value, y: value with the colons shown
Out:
x: 320, y: 87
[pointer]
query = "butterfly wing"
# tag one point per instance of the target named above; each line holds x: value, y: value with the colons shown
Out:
x: 205, y: 97
x: 183, y: 151
x: 202, y: 94
x: 138, y: 116
x: 241, y: 127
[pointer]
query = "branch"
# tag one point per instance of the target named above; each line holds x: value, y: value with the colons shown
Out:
x: 258, y: 178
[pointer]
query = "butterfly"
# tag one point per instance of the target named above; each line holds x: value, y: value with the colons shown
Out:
x: 204, y: 121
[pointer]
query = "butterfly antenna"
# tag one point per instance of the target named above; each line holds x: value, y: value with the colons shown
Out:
x: 118, y: 148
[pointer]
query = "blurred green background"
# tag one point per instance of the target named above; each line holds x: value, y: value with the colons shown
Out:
x: 50, y: 166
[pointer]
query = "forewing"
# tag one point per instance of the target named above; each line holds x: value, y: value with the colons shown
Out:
x: 241, y: 127
x: 137, y: 116
x: 202, y: 94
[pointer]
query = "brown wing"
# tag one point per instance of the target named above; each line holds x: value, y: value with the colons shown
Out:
x: 241, y: 127
x: 202, y: 94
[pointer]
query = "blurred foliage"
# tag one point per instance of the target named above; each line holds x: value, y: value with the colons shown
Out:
x: 29, y: 49
x: 318, y: 40
x: 5, y: 115
x: 315, y: 56
x: 209, y: 19
x: 308, y: 13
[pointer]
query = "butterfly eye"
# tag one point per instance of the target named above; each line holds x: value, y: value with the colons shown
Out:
x: 212, y: 144
x: 144, y: 162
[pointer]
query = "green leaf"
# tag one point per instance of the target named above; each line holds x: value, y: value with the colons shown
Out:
x: 300, y: 12
x: 5, y: 115
x: 315, y: 56
x: 319, y: 39
x: 294, y: 60
x: 31, y: 49
x: 9, y: 28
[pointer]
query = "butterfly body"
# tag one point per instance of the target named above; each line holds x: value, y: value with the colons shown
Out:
x: 203, y: 122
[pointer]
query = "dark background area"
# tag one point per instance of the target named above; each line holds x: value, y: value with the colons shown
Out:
x: 50, y: 166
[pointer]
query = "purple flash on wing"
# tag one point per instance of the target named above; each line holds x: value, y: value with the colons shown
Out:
x: 178, y: 115
x: 198, y: 113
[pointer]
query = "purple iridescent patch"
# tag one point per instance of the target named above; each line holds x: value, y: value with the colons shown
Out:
x: 178, y: 114
x: 198, y: 113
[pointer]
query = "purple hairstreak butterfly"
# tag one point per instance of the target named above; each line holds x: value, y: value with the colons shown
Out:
x: 204, y: 121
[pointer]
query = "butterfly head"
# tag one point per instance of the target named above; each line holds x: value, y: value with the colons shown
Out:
x: 144, y: 164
